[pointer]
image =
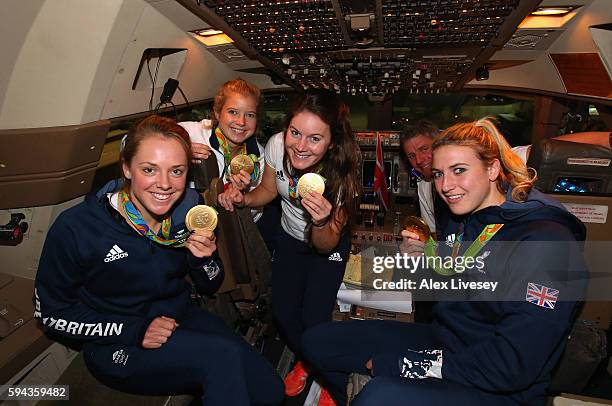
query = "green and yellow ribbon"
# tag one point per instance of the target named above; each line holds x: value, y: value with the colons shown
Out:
x: 431, y: 248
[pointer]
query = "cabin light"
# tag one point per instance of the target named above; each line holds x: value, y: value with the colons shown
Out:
x: 211, y: 37
x: 208, y: 32
x: 553, y: 11
x: 549, y: 17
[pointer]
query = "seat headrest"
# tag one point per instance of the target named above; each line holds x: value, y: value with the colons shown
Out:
x: 571, y: 167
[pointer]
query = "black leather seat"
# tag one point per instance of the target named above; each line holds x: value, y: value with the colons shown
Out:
x: 587, y: 167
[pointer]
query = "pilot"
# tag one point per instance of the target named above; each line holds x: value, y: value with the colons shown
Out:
x: 496, y: 351
x: 314, y: 246
x: 112, y: 275
x: 416, y: 145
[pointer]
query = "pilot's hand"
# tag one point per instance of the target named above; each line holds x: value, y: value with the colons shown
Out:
x: 318, y: 207
x: 242, y: 180
x: 200, y: 151
x: 231, y: 197
x: 201, y: 243
x: 411, y: 245
x: 158, y: 332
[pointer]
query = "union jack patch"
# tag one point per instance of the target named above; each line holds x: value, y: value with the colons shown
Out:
x: 541, y: 295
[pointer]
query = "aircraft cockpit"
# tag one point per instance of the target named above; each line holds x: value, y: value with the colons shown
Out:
x: 77, y: 78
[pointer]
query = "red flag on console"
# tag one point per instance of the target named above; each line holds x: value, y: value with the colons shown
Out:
x: 380, y: 182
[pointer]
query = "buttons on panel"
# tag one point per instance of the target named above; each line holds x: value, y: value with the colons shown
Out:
x: 315, y: 43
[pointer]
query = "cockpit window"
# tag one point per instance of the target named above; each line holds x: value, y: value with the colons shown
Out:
x: 584, y: 117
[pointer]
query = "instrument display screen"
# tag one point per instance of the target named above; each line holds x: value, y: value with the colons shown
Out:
x: 578, y: 185
x: 367, y: 173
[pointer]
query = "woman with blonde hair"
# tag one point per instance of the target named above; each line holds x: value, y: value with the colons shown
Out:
x: 231, y: 132
x: 489, y: 346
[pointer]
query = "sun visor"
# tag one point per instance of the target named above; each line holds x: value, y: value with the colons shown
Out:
x: 602, y: 36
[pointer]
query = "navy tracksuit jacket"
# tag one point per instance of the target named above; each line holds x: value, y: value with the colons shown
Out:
x: 102, y: 283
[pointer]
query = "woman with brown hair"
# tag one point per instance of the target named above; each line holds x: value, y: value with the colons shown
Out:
x: 312, y: 251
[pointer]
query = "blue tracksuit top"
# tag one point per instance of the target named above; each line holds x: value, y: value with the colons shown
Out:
x: 510, y: 345
x: 100, y: 281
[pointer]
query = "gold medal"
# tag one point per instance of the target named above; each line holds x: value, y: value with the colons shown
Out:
x: 201, y: 217
x: 241, y: 162
x: 416, y: 225
x: 310, y: 182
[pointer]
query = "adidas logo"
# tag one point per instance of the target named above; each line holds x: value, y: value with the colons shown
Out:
x: 279, y: 176
x: 335, y: 257
x: 450, y: 240
x: 115, y: 253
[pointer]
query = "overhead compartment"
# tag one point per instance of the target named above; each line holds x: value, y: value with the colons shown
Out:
x: 45, y: 166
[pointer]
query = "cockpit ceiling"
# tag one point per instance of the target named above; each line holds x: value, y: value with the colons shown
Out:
x: 373, y: 46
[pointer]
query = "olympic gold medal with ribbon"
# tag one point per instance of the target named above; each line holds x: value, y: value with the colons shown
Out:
x: 416, y: 225
x: 310, y: 182
x: 241, y: 162
x: 201, y: 217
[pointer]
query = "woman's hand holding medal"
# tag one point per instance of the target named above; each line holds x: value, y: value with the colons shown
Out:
x: 411, y: 245
x: 241, y: 180
x: 318, y: 207
x: 310, y: 187
x: 201, y: 243
x: 241, y: 168
x: 415, y: 235
x: 201, y: 220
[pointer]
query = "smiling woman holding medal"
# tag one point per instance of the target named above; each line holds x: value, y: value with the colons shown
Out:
x: 230, y: 135
x: 313, y: 167
x: 112, y: 275
x: 494, y: 349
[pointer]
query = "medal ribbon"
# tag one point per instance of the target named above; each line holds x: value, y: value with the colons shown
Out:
x: 293, y: 181
x: 477, y: 245
x: 141, y: 226
x: 227, y: 156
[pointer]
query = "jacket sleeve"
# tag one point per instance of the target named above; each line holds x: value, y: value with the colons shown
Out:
x: 531, y: 331
x: 58, y: 291
x: 206, y: 273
